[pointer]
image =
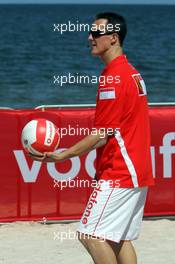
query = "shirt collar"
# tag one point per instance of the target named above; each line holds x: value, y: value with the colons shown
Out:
x: 118, y: 60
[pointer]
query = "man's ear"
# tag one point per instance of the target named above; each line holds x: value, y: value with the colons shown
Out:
x: 115, y: 39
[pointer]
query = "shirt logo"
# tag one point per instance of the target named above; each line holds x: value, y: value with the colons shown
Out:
x: 141, y: 87
x: 107, y: 93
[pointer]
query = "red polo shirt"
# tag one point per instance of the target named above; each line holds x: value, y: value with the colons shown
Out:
x: 122, y: 106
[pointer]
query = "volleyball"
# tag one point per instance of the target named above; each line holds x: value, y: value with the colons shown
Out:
x: 39, y: 136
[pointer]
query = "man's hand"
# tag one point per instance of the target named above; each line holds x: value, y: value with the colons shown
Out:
x: 46, y: 157
x: 83, y: 146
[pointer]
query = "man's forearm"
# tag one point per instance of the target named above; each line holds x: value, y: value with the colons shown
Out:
x: 85, y: 145
x: 99, y: 144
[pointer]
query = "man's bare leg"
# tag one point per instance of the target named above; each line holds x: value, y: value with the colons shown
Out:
x: 100, y: 250
x: 125, y: 252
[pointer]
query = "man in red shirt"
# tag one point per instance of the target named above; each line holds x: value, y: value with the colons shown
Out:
x: 115, y: 209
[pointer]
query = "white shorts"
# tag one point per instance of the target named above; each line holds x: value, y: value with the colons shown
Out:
x: 113, y: 213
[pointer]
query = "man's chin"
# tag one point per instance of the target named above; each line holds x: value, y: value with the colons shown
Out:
x: 95, y: 52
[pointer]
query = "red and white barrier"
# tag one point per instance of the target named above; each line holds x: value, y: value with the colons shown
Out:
x: 35, y: 191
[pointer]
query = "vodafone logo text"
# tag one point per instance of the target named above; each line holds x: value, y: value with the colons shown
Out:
x: 91, y: 203
x: 161, y: 156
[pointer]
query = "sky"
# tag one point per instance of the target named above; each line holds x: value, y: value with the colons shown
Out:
x: 88, y: 1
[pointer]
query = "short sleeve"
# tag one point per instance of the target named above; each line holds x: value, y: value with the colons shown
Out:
x: 109, y: 108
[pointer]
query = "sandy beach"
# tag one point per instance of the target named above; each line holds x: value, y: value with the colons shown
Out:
x: 33, y: 242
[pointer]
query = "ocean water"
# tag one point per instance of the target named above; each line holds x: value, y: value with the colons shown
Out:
x: 32, y: 53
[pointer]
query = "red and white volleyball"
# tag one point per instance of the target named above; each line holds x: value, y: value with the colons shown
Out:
x: 39, y: 136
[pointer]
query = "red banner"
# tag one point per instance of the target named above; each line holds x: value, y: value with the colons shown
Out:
x: 34, y: 191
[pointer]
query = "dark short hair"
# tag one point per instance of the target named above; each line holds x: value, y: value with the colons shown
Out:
x: 115, y: 19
